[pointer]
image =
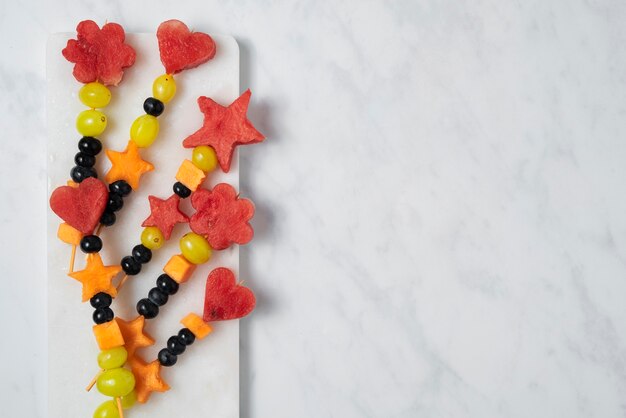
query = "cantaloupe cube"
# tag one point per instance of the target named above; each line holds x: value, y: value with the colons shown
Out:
x: 179, y: 269
x: 190, y: 175
x: 196, y: 325
x: 69, y: 234
x: 108, y: 335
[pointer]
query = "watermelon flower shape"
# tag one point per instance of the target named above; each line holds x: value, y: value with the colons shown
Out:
x: 221, y: 216
x: 99, y: 54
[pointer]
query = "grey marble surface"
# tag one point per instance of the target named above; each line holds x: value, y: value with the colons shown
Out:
x: 440, y: 226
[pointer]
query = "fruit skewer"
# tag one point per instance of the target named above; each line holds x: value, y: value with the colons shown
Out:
x: 94, y: 94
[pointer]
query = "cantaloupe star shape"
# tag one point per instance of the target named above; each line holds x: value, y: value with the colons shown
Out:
x: 147, y: 378
x: 96, y: 277
x: 134, y: 335
x: 127, y: 165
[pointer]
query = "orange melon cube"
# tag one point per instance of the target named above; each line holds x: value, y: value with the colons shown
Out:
x: 190, y: 175
x: 69, y: 234
x: 108, y: 335
x: 196, y: 325
x: 179, y: 269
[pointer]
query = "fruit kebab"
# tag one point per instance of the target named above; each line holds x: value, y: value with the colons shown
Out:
x: 179, y: 49
x: 224, y: 300
x: 100, y: 57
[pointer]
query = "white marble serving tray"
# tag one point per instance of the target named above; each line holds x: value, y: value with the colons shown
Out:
x: 205, y: 381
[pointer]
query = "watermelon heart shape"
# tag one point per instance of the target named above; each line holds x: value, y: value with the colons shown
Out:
x: 224, y: 298
x: 181, y: 49
x: 81, y: 207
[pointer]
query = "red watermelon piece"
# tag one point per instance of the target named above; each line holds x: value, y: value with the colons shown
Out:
x: 224, y: 128
x: 81, y: 207
x: 221, y: 216
x: 99, y: 54
x: 165, y: 214
x: 225, y: 299
x: 181, y: 49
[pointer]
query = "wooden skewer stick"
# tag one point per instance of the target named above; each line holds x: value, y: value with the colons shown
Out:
x: 121, y: 283
x: 98, y: 229
x: 119, y: 407
x: 72, y: 258
x: 93, y: 381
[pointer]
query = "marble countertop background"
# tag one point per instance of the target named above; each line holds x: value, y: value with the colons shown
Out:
x: 441, y: 221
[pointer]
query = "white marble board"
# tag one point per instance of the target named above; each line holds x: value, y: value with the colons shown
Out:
x: 205, y: 381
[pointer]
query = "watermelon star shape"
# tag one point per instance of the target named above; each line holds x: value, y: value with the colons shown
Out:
x: 224, y: 128
x: 99, y: 54
x: 165, y: 214
x: 221, y: 216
